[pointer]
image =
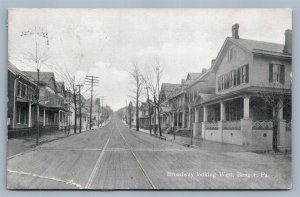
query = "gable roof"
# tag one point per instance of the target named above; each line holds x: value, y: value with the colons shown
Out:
x: 44, y: 76
x: 169, y: 88
x: 253, y: 46
x: 60, y: 86
x: 260, y: 46
x: 12, y: 68
x: 193, y: 76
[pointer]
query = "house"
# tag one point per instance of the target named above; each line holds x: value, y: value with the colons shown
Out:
x: 145, y: 114
x: 167, y: 113
x: 22, y: 93
x: 245, y: 70
x: 176, y: 112
x: 52, y: 109
x: 197, y: 92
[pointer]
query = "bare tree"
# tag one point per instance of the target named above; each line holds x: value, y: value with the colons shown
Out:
x: 71, y: 84
x: 129, y: 110
x: 153, y: 79
x: 158, y: 74
x: 147, y: 83
x: 137, y: 80
x: 38, y: 57
x: 277, y: 97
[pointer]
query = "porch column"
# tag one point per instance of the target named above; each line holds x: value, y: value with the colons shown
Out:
x: 44, y: 122
x: 183, y: 119
x: 222, y: 110
x: 190, y: 118
x: 177, y: 119
x: 280, y: 112
x: 173, y: 119
x: 29, y: 115
x: 58, y: 119
x: 246, y: 107
x: 196, y: 115
x: 204, y: 114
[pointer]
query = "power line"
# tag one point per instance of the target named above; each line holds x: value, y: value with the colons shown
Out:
x: 92, y: 81
x: 80, y: 114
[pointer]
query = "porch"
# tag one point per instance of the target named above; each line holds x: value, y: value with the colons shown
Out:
x: 244, y: 121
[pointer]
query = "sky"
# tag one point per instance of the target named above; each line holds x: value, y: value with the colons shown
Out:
x: 105, y: 42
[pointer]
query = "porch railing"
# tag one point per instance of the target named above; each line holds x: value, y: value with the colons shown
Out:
x: 262, y: 125
x: 232, y: 125
x: 211, y: 125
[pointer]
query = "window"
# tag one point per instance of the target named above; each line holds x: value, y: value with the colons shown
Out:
x: 19, y: 114
x: 19, y: 88
x: 230, y: 54
x: 22, y: 114
x: 234, y: 78
x: 276, y: 73
x: 25, y: 91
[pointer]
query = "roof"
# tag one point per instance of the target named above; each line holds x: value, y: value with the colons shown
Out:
x: 16, y: 71
x: 253, y: 46
x: 194, y: 76
x: 59, y: 85
x: 206, y: 97
x: 169, y: 88
x: 44, y: 76
x: 260, y: 46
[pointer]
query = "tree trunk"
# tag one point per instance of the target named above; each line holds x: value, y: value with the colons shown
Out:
x: 275, y: 131
x: 137, y: 115
x: 158, y: 116
x: 75, y: 113
x: 154, y: 121
x: 149, y: 111
x: 149, y: 114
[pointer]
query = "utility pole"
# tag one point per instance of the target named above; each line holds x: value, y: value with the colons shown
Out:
x: 99, y: 111
x: 80, y: 115
x: 38, y: 109
x: 92, y: 81
x: 101, y: 99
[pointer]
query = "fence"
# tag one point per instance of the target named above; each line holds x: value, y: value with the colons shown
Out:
x: 211, y: 125
x: 232, y: 125
x: 262, y: 125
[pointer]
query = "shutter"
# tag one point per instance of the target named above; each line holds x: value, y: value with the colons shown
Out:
x: 239, y: 76
x: 282, y: 74
x: 270, y: 73
x: 247, y: 73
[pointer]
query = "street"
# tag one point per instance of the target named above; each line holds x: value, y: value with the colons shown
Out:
x: 116, y: 157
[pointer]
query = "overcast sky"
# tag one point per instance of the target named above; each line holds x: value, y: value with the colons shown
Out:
x: 104, y: 42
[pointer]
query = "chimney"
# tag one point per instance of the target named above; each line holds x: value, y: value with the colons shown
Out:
x: 288, y: 41
x: 203, y: 70
x: 182, y: 81
x: 213, y: 62
x: 235, y: 31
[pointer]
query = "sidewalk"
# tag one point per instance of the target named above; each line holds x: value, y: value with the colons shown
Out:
x: 20, y: 145
x: 23, y: 144
x: 206, y: 145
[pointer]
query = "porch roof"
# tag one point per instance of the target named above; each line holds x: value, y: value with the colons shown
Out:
x: 248, y: 91
x: 53, y: 107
